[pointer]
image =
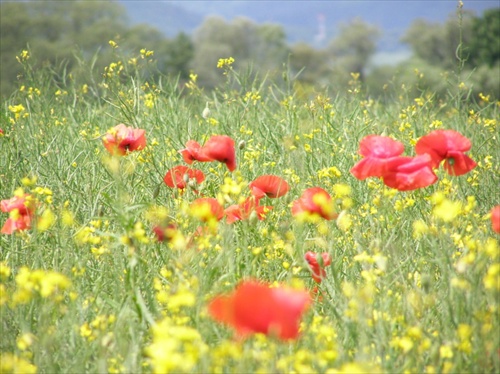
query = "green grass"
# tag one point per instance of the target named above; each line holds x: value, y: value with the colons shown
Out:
x: 396, y: 298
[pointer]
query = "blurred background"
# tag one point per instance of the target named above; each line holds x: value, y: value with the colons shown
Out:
x: 317, y: 43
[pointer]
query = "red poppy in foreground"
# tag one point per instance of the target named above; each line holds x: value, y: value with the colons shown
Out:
x: 377, y: 150
x: 207, y: 208
x: 255, y: 307
x: 179, y: 176
x: 221, y: 148
x: 269, y: 185
x: 315, y: 201
x: 495, y: 219
x: 447, y: 145
x: 21, y: 210
x: 245, y: 210
x: 409, y: 173
x: 318, y: 267
x: 217, y: 148
x: 122, y: 139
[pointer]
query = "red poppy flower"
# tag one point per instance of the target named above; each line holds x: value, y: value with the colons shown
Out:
x: 380, y: 147
x: 245, y: 210
x: 221, y: 148
x: 495, y: 219
x: 217, y: 148
x: 377, y: 151
x: 318, y: 268
x: 21, y: 209
x: 447, y: 145
x: 254, y: 307
x: 269, y: 185
x: 24, y: 204
x: 194, y: 152
x: 122, y: 139
x: 206, y: 208
x: 314, y: 200
x: 179, y: 176
x: 409, y: 173
x: 165, y: 233
x: 16, y: 223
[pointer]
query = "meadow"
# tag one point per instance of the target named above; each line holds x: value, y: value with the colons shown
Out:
x: 109, y: 265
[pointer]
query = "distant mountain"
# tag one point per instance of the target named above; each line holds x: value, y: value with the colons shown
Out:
x: 314, y: 22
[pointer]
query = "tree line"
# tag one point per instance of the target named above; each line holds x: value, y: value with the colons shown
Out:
x: 62, y: 35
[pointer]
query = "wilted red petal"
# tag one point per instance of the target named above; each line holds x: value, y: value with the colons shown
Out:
x: 269, y: 185
x: 380, y: 147
x: 495, y: 219
x: 409, y: 173
x: 176, y: 176
x: 254, y: 307
x: 122, y: 139
x: 221, y: 148
x: 314, y: 200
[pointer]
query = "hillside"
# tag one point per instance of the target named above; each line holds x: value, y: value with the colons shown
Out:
x: 302, y: 20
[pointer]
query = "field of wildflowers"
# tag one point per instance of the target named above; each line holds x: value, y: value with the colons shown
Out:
x: 161, y: 228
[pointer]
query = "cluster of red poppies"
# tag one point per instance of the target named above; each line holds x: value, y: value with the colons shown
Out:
x: 220, y: 148
x: 382, y: 158
x: 257, y: 307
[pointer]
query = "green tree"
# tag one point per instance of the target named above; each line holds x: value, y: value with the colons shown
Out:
x: 14, y: 33
x: 441, y: 44
x: 54, y: 31
x: 351, y: 50
x: 309, y: 65
x: 178, y: 54
x: 484, y: 44
x: 247, y: 42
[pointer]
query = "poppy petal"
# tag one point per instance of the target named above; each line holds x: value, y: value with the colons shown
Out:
x: 439, y: 143
x: 314, y: 200
x: 215, y: 210
x: 178, y: 176
x: 495, y: 219
x: 458, y: 163
x: 254, y: 307
x: 380, y: 146
x: 410, y: 173
x: 269, y: 185
x: 221, y: 148
x: 122, y: 139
